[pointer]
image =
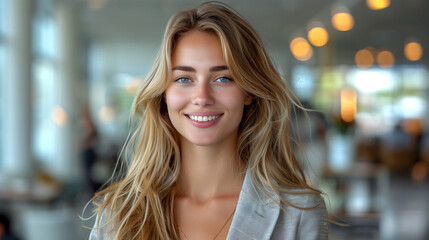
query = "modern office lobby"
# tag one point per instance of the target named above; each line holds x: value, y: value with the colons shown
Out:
x: 70, y: 69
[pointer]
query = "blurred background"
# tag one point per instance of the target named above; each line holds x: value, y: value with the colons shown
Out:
x: 69, y: 70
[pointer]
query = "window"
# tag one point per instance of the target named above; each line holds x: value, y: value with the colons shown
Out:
x: 2, y: 62
x: 44, y: 73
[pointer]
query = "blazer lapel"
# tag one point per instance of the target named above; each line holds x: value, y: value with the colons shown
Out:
x: 256, y: 215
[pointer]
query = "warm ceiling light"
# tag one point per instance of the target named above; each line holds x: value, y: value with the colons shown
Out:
x: 301, y: 49
x: 364, y: 58
x: 318, y: 36
x: 59, y: 116
x: 385, y: 59
x: 348, y: 104
x: 343, y: 21
x: 377, y: 4
x: 413, y: 51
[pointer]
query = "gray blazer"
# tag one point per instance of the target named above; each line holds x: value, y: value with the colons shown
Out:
x: 257, y: 217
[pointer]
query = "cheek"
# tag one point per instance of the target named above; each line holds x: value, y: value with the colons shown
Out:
x: 234, y: 99
x: 175, y: 100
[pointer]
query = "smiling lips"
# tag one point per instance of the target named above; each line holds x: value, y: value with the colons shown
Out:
x: 204, y: 120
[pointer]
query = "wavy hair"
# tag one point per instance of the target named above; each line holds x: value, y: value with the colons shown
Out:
x: 140, y: 204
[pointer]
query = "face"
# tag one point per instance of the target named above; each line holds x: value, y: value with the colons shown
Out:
x: 204, y: 103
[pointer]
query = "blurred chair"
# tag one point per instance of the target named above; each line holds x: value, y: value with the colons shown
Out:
x: 421, y: 168
x: 398, y: 150
x: 368, y: 149
x: 424, y: 148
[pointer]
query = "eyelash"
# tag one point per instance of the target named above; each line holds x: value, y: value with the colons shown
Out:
x: 180, y: 79
x: 227, y: 78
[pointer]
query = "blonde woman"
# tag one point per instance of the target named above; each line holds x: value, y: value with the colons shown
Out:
x: 210, y: 156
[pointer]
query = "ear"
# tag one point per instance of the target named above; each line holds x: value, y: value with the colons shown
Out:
x: 248, y: 100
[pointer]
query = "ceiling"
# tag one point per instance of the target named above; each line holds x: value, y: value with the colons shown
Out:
x: 277, y: 21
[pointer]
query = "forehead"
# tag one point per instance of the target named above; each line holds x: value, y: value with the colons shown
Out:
x: 196, y: 47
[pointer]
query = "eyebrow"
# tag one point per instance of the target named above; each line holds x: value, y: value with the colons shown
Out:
x: 191, y: 69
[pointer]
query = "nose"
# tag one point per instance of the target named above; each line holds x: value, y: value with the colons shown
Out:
x: 202, y: 95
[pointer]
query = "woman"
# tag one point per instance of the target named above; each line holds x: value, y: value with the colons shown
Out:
x: 211, y: 156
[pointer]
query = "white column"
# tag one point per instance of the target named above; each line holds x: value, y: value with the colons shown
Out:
x: 67, y: 162
x: 16, y: 149
x: 426, y: 126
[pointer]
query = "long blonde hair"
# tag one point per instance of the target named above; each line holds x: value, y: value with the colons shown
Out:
x: 140, y: 204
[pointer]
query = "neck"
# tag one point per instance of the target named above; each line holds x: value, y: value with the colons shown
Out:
x: 208, y: 172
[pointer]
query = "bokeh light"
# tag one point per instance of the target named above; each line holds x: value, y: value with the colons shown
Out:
x: 106, y: 114
x: 348, y: 104
x: 377, y: 4
x: 364, y: 58
x: 132, y: 86
x: 301, y: 49
x: 343, y: 21
x: 59, y: 116
x: 385, y: 59
x: 413, y: 51
x: 318, y: 36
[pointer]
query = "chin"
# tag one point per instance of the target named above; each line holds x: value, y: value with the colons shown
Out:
x: 202, y: 140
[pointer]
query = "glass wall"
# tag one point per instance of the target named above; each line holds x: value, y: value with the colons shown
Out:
x: 44, y: 76
x: 383, y: 99
x: 2, y: 65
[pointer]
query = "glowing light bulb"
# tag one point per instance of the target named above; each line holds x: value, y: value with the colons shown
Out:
x: 59, y: 116
x: 301, y: 49
x: 385, y: 59
x: 377, y: 4
x: 413, y: 51
x: 348, y: 104
x: 343, y: 21
x: 364, y: 58
x: 106, y: 114
x: 318, y: 36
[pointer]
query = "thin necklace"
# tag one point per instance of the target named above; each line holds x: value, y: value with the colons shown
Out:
x: 217, y: 234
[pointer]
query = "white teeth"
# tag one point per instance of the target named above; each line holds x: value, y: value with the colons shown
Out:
x: 203, y: 118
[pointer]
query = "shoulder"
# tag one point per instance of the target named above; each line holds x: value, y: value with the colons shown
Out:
x: 302, y: 215
x: 303, y: 198
x: 101, y: 228
x: 308, y: 220
x: 96, y: 231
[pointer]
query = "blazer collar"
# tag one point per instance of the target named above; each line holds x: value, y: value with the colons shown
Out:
x: 256, y: 214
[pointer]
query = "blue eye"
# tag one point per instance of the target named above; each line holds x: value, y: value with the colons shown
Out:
x: 183, y: 80
x: 223, y: 80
